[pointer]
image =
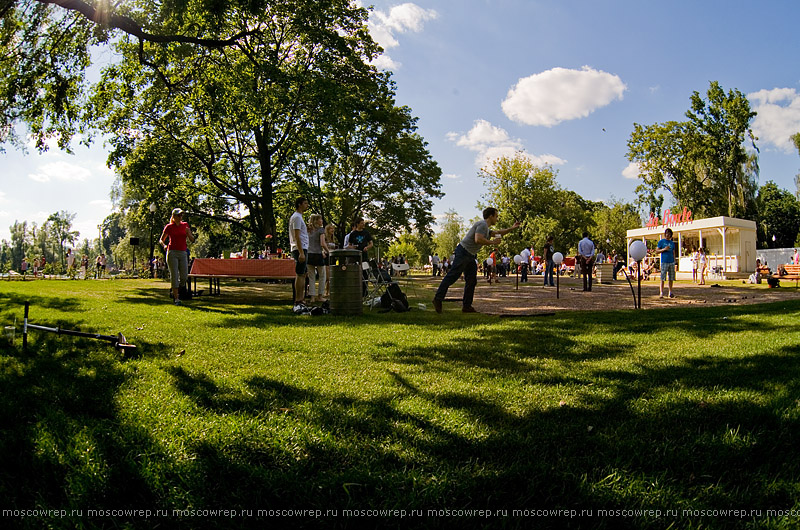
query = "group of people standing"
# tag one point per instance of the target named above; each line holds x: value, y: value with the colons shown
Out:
x: 311, y: 251
x: 74, y: 267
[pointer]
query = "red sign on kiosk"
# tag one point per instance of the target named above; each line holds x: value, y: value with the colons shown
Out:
x: 669, y: 218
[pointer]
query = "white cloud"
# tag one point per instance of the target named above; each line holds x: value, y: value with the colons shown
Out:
x: 491, y: 142
x: 631, y: 171
x: 3, y: 197
x: 451, y: 176
x: 403, y: 18
x: 102, y: 203
x: 61, y: 170
x: 560, y: 94
x: 778, y: 116
x: 384, y: 62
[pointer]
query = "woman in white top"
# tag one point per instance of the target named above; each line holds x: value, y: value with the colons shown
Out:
x: 701, y: 262
x: 317, y: 250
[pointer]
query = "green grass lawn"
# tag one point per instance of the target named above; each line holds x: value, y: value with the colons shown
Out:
x: 234, y: 403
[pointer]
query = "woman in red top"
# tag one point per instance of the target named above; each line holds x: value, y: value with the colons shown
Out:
x: 173, y: 239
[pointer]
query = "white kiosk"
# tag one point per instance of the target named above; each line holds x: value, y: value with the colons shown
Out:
x: 730, y: 243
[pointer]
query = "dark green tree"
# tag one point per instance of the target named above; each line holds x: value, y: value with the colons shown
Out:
x: 779, y: 216
x: 293, y: 108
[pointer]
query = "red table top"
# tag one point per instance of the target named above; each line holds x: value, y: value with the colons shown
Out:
x: 243, y: 268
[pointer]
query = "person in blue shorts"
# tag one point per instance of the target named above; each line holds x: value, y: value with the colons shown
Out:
x: 666, y: 247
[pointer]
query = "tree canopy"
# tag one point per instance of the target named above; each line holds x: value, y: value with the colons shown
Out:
x: 702, y: 162
x: 779, y: 217
x: 227, y: 109
x: 294, y: 108
x: 525, y: 192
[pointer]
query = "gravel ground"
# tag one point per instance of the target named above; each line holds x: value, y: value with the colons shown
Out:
x: 532, y: 298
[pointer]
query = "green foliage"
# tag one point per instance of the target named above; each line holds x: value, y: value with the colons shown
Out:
x: 60, y: 224
x: 452, y: 232
x: 702, y: 162
x: 525, y: 192
x: 234, y: 134
x: 779, y: 216
x: 406, y: 245
x: 45, y: 52
x: 612, y: 223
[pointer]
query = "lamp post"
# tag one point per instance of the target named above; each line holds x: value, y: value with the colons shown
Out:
x: 558, y: 257
x: 517, y: 261
x: 638, y: 250
x: 152, y: 209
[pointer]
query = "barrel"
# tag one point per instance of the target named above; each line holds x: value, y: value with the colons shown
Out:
x: 346, y: 286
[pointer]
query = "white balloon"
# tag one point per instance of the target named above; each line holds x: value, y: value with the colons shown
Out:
x: 637, y: 250
x: 517, y: 259
x: 558, y: 257
x: 489, y: 261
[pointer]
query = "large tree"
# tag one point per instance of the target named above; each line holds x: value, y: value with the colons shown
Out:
x: 702, y: 162
x: 293, y: 108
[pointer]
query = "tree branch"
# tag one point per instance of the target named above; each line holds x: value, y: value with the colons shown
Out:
x: 105, y: 18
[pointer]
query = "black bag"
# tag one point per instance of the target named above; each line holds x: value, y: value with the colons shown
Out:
x: 184, y: 293
x: 394, y: 298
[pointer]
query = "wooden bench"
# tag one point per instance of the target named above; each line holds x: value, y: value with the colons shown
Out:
x: 792, y: 273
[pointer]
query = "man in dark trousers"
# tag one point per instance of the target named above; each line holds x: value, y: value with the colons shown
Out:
x: 547, y: 256
x: 465, y: 262
x: 586, y: 260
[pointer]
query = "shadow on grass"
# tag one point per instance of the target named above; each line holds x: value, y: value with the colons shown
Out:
x: 357, y: 453
x: 696, y: 433
x: 63, y: 445
x: 16, y: 302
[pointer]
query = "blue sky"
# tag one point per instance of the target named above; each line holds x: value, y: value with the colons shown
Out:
x: 562, y: 80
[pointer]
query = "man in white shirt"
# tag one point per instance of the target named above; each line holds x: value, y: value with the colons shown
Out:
x: 298, y: 239
x: 586, y: 260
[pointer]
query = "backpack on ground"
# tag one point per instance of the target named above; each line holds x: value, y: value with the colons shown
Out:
x: 394, y: 298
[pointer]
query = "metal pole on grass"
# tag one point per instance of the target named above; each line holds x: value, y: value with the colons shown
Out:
x: 25, y: 328
x: 639, y: 275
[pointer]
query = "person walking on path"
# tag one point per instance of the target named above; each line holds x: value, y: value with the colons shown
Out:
x: 174, y: 237
x: 480, y: 234
x: 298, y: 239
x: 666, y: 247
x: 586, y: 260
x: 547, y: 255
